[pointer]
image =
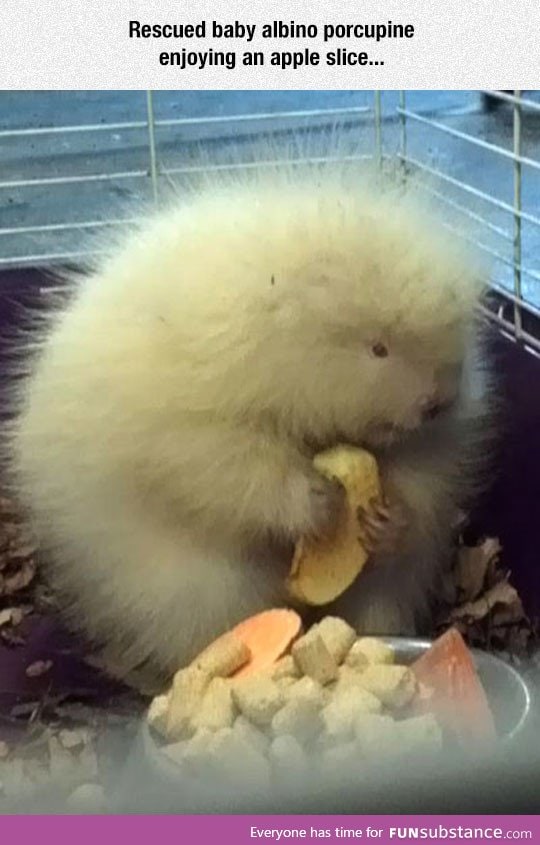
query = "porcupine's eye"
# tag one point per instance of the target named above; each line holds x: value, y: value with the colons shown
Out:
x: 379, y: 350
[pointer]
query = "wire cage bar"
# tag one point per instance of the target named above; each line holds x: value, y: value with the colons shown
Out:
x: 481, y: 164
x: 494, y: 201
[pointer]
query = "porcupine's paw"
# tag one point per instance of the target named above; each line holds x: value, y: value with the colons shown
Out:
x: 309, y: 506
x: 384, y: 527
x: 327, y: 503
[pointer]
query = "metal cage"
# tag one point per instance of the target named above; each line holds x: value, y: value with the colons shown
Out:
x: 485, y: 171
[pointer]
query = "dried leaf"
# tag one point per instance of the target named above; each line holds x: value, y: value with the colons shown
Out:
x: 10, y: 638
x: 11, y: 616
x: 472, y: 568
x: 501, y: 594
x: 62, y: 764
x: 20, y: 579
x: 40, y: 667
x: 25, y: 709
x: 519, y: 639
x: 88, y: 761
x: 73, y: 740
x: 508, y: 614
x: 461, y: 521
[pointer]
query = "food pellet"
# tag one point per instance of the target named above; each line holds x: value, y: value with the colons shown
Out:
x: 235, y: 758
x: 223, y: 657
x: 251, y: 734
x: 288, y: 758
x: 217, y: 707
x: 340, y: 714
x: 189, y: 686
x: 333, y: 703
x: 337, y: 636
x: 285, y: 667
x: 87, y: 798
x: 158, y: 714
x: 394, y: 685
x: 370, y: 650
x: 339, y: 757
x: 376, y: 735
x: 300, y: 718
x: 306, y: 688
x: 286, y: 682
x: 176, y: 751
x: 195, y: 754
x: 348, y: 678
x: 337, y: 723
x: 313, y: 658
x: 258, y: 698
x: 419, y: 734
x: 365, y: 701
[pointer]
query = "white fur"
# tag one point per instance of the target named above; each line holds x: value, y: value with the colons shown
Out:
x: 165, y: 435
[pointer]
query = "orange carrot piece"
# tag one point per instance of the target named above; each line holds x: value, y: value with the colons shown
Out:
x: 268, y: 635
x: 458, y: 699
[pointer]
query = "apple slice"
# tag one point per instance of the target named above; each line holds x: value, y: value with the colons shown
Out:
x: 321, y: 571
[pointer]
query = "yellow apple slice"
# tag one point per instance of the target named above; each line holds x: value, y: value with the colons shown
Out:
x: 322, y: 570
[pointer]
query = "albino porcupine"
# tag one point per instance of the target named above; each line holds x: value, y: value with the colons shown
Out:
x: 165, y: 435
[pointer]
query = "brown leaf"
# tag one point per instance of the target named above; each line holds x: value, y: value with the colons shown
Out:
x: 11, y: 616
x: 10, y: 638
x: 19, y: 579
x: 73, y: 740
x: 500, y: 594
x: 472, y: 567
x: 508, y: 614
x: 62, y: 763
x: 40, y: 667
x: 519, y: 638
x: 460, y: 521
x: 25, y: 709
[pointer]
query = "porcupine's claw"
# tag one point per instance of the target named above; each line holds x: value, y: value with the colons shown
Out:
x: 382, y: 527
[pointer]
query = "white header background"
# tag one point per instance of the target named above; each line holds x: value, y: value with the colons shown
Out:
x: 64, y: 44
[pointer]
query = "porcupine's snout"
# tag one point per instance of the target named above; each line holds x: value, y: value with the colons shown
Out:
x: 433, y: 406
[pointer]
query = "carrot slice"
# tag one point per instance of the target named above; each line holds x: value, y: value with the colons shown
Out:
x: 268, y: 635
x: 457, y: 699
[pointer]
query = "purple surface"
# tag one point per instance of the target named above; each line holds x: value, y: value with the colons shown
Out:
x: 47, y: 641
x: 510, y: 511
x: 45, y: 637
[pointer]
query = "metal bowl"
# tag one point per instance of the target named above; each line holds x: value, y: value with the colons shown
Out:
x: 507, y: 691
x: 152, y: 780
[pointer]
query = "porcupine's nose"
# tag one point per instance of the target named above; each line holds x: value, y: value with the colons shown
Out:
x: 432, y: 406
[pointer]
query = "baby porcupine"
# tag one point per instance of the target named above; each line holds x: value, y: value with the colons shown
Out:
x: 165, y: 436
